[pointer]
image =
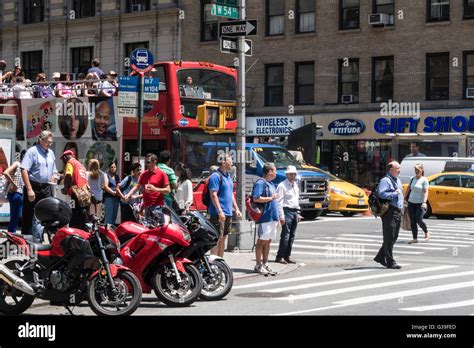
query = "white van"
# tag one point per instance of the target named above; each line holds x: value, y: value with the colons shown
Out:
x: 434, y: 165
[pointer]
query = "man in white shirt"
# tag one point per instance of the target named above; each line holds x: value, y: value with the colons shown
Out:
x: 289, y: 194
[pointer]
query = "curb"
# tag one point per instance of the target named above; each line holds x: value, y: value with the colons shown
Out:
x: 285, y: 270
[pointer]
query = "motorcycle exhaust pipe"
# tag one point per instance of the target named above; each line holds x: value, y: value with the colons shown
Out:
x: 14, y: 281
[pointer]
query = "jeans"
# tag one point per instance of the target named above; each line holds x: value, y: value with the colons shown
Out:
x: 416, y: 218
x: 29, y: 223
x: 288, y: 231
x: 16, y: 208
x: 111, y: 209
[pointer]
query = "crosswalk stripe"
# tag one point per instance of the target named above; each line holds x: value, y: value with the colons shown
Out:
x: 440, y: 306
x: 325, y: 254
x: 356, y: 241
x: 408, y: 238
x: 372, y: 286
x: 398, y: 244
x: 377, y: 298
x: 452, y: 231
x: 356, y: 279
x: 434, y: 235
x: 347, y: 248
x: 297, y: 279
x: 407, y: 293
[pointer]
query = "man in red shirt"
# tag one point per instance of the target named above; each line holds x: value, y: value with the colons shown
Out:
x: 74, y: 175
x: 154, y: 182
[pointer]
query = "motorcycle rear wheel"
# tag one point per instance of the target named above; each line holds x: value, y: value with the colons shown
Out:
x: 216, y: 286
x: 128, y: 298
x: 175, y: 294
x: 13, y: 301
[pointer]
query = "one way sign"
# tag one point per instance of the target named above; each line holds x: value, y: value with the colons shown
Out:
x: 230, y: 45
x: 238, y: 28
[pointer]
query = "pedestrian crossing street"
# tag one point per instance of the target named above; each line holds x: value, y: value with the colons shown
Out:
x: 417, y: 289
x: 376, y: 287
x: 451, y: 237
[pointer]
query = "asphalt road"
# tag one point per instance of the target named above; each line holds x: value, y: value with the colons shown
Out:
x: 336, y: 276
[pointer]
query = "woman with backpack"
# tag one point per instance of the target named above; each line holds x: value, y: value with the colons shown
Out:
x: 417, y: 197
x: 15, y: 194
x: 184, y: 190
x: 130, y: 181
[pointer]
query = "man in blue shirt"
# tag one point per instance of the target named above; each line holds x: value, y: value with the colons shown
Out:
x: 264, y: 192
x: 38, y: 170
x: 95, y: 67
x: 221, y: 189
x: 390, y: 188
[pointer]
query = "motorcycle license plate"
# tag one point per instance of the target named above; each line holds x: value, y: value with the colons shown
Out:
x: 317, y: 205
x: 361, y: 202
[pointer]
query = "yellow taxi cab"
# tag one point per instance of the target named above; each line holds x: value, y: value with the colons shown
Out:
x: 344, y: 197
x: 450, y: 194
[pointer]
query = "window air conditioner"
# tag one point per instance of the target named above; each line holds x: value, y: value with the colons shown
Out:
x: 470, y: 93
x: 379, y: 18
x: 138, y: 8
x: 346, y: 99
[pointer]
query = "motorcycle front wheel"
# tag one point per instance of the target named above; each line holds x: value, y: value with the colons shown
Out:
x: 217, y: 283
x: 124, y: 302
x: 13, y: 301
x: 174, y: 293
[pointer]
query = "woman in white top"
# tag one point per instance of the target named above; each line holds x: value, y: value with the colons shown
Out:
x: 96, y: 180
x: 417, y: 196
x: 184, y: 191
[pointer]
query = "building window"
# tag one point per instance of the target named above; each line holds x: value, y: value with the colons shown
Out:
x: 386, y: 7
x: 274, y: 85
x: 468, y: 9
x: 305, y: 18
x: 438, y: 10
x: 32, y: 64
x: 81, y: 59
x: 468, y: 72
x: 437, y: 73
x: 208, y: 22
x: 349, y: 11
x: 84, y: 8
x: 130, y: 47
x: 349, y: 80
x: 304, y: 83
x: 382, y: 79
x: 275, y: 17
x: 33, y: 11
x: 138, y: 5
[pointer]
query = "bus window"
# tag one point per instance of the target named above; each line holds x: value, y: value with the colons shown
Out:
x: 159, y: 72
x: 206, y: 84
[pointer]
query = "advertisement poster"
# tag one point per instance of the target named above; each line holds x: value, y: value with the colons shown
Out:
x: 13, y: 107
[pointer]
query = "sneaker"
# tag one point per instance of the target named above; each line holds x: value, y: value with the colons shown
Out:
x: 268, y: 268
x: 413, y: 241
x: 260, y: 269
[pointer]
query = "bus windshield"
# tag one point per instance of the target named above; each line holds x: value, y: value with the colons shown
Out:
x: 206, y: 84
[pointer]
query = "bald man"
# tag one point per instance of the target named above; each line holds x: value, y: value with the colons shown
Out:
x: 102, y: 120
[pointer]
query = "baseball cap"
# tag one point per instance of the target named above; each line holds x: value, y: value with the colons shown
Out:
x: 66, y: 153
x: 113, y: 73
x: 56, y: 75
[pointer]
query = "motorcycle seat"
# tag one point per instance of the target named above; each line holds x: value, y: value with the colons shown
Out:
x: 37, y: 246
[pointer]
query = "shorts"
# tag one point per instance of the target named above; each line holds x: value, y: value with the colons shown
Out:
x: 267, y: 230
x: 217, y: 224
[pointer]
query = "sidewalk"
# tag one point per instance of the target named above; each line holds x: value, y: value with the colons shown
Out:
x: 243, y: 263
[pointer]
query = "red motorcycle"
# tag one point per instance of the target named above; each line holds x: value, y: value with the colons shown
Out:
x: 150, y: 252
x: 73, y: 268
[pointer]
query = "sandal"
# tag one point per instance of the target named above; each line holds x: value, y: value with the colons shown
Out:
x: 427, y: 236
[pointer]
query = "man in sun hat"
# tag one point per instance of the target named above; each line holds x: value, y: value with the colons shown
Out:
x: 289, y: 206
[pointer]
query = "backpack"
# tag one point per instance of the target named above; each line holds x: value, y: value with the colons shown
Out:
x: 255, y: 210
x: 4, y: 189
x: 378, y: 206
x: 206, y: 194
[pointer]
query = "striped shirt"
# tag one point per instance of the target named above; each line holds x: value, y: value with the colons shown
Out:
x: 18, y: 181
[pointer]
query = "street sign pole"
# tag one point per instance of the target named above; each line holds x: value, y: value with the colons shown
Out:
x: 140, y: 113
x: 240, y: 136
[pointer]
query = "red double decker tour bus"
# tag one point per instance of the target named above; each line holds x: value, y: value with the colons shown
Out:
x: 174, y: 121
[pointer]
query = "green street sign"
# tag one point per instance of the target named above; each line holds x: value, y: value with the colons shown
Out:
x: 227, y: 2
x: 225, y: 11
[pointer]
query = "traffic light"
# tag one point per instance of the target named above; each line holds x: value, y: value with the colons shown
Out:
x: 213, y: 116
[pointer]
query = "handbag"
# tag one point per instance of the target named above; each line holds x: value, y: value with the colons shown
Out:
x: 406, y: 222
x: 82, y: 195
